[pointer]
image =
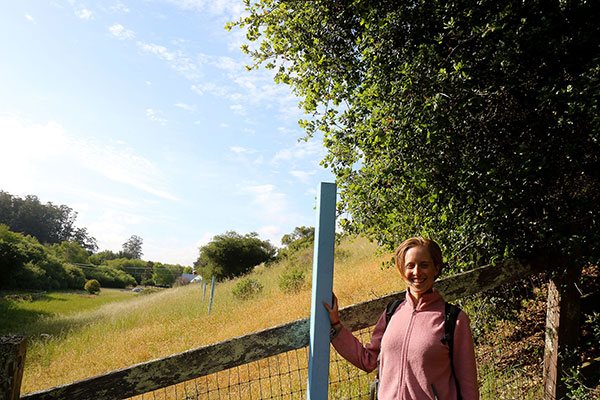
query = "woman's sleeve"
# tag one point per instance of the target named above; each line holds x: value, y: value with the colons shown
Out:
x: 363, y: 357
x: 465, y: 365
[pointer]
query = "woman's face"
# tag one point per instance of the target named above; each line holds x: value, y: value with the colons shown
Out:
x: 419, y: 271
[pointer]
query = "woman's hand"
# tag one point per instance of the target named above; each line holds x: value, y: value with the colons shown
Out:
x: 334, y: 315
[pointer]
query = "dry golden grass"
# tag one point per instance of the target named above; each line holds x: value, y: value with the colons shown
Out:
x: 171, y: 321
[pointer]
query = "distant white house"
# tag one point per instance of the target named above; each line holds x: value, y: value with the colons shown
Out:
x: 188, y: 277
x: 192, y: 278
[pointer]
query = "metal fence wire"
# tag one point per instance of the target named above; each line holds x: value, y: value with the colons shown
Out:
x: 509, y: 338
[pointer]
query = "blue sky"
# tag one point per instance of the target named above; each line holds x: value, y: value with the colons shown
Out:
x: 141, y: 116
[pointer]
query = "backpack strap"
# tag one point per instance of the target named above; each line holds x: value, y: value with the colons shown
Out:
x: 390, y: 309
x: 451, y: 316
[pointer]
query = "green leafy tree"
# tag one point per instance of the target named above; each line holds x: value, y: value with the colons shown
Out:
x: 139, y: 269
x: 102, y: 257
x: 476, y: 124
x: 232, y: 254
x: 164, y: 276
x: 132, y: 248
x: 110, y: 277
x: 48, y: 223
x: 70, y: 252
x: 26, y: 264
x: 302, y: 236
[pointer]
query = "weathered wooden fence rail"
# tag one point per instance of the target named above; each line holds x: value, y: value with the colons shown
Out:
x: 148, y: 376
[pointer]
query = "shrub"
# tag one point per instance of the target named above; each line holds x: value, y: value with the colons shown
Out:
x: 92, y: 286
x: 291, y: 281
x: 247, y: 289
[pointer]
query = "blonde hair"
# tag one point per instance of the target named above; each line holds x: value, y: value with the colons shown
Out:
x: 434, y: 251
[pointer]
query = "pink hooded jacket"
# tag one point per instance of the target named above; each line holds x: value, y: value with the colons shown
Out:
x: 415, y: 364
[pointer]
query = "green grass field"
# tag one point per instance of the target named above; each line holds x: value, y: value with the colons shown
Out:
x: 33, y: 314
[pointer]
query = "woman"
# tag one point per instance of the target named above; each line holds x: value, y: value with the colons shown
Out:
x: 414, y: 361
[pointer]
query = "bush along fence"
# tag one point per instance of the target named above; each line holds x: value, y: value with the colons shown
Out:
x: 272, y: 363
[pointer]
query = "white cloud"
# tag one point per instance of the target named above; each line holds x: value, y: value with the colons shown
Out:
x: 152, y: 115
x: 237, y: 149
x: 171, y: 251
x: 303, y: 176
x: 215, y: 7
x: 160, y: 51
x: 84, y: 13
x: 198, y: 89
x: 223, y: 125
x: 119, y: 7
x: 176, y: 59
x: 123, y: 165
x: 238, y: 109
x: 272, y: 233
x: 113, y: 227
x: 205, y: 239
x: 184, y: 106
x: 37, y: 148
x: 29, y: 18
x: 242, y: 150
x: 268, y: 202
x: 311, y: 149
x: 28, y: 145
x: 120, y: 32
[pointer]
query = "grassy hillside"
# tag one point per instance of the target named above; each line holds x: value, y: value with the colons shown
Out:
x: 141, y: 328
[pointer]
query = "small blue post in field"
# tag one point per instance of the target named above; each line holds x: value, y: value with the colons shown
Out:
x: 212, y: 292
x: 322, y: 287
x: 204, y: 291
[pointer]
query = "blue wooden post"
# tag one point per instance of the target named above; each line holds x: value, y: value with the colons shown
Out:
x: 212, y: 292
x: 204, y: 291
x: 322, y: 286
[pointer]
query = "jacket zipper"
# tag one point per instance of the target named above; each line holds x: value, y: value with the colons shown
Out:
x: 405, y: 350
x: 435, y: 395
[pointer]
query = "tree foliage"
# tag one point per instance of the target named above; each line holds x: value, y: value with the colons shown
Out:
x: 70, y: 252
x: 48, y: 223
x: 132, y: 248
x: 232, y: 254
x: 474, y: 123
x: 139, y: 269
x: 26, y: 264
x: 165, y: 274
x: 301, y: 236
x: 109, y: 276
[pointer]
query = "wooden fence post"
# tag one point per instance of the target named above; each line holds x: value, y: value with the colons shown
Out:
x: 12, y: 363
x: 322, y: 285
x: 562, y: 331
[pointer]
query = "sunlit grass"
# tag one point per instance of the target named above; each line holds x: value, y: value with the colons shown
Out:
x: 142, y: 328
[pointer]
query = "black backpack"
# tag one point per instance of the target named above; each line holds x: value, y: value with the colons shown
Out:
x: 451, y: 315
